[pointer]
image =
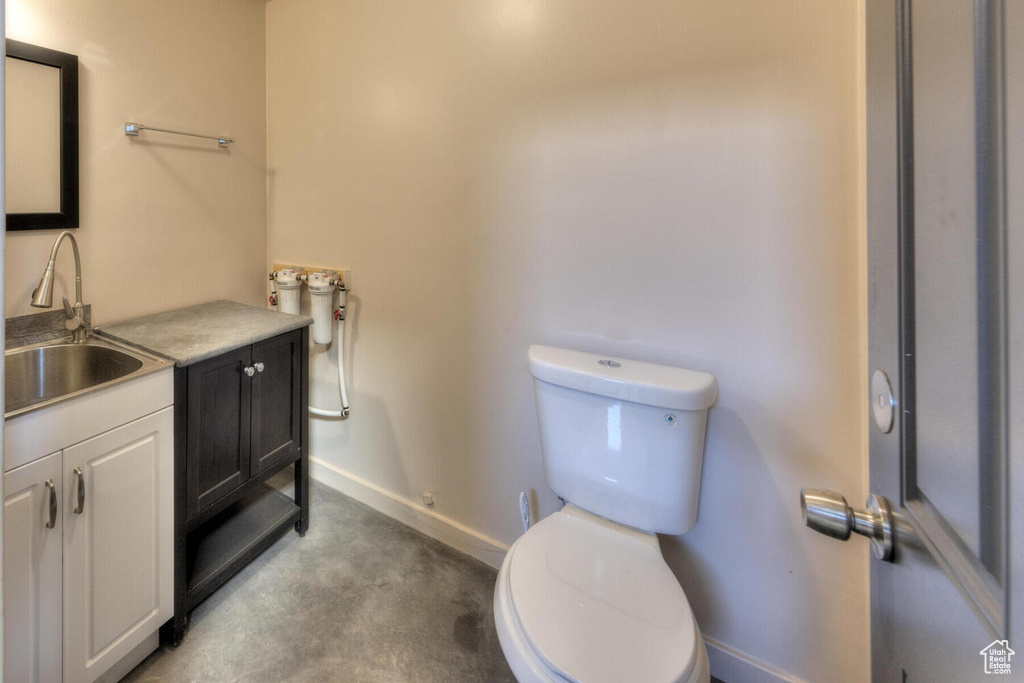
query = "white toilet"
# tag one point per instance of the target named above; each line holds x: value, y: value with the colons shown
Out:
x: 585, y: 595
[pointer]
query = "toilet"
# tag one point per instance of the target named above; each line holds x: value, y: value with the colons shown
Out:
x: 585, y: 595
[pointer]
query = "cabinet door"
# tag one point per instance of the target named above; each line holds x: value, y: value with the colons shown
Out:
x: 217, y: 450
x: 32, y: 572
x: 276, y: 399
x: 118, y: 549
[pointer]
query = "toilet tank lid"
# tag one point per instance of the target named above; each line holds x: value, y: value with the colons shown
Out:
x: 628, y: 380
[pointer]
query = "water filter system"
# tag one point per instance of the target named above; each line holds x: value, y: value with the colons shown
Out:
x: 321, y: 296
x: 286, y: 286
x: 289, y: 286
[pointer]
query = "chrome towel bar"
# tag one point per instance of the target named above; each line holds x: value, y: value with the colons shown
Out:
x: 134, y: 128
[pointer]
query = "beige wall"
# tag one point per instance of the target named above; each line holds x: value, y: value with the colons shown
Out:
x: 672, y: 181
x: 165, y: 221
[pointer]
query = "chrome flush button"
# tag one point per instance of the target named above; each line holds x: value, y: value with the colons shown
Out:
x: 610, y: 363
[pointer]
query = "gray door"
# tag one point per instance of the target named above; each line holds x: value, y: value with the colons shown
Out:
x: 937, y: 296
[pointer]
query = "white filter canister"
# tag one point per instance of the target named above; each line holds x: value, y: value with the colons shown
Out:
x: 288, y: 288
x: 321, y: 299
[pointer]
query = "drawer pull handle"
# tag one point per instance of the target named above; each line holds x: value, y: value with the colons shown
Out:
x: 81, y: 491
x: 259, y: 367
x: 53, y: 504
x: 249, y: 370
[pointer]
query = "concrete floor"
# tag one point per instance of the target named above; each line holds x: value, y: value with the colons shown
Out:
x: 360, y: 598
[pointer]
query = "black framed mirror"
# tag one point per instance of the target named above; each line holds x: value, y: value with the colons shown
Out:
x: 42, y: 138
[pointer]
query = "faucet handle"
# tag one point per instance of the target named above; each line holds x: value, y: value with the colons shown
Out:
x: 71, y: 322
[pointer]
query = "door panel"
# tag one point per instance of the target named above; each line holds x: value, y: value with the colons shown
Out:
x: 935, y: 308
x: 32, y: 573
x: 118, y: 579
x: 218, y: 430
x: 275, y: 399
x: 952, y: 291
x: 945, y: 313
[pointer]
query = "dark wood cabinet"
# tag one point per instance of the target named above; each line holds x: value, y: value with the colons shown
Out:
x: 275, y: 400
x: 219, y: 427
x: 243, y: 416
x: 240, y: 418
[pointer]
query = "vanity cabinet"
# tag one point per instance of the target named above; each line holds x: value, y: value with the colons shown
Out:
x: 240, y: 417
x: 88, y: 542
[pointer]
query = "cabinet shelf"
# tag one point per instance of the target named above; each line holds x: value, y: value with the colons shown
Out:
x: 229, y: 541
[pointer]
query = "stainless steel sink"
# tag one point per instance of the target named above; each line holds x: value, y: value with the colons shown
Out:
x: 37, y: 376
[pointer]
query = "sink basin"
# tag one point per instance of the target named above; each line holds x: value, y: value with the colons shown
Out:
x: 40, y: 375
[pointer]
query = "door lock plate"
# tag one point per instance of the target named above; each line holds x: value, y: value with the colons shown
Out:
x: 883, y: 404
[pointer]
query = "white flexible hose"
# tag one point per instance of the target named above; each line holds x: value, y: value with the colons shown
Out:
x: 341, y: 367
x: 340, y: 341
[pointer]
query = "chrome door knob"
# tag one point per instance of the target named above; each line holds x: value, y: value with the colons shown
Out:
x: 249, y: 370
x: 258, y: 366
x: 828, y: 512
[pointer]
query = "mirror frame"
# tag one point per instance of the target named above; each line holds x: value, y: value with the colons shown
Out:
x: 67, y: 217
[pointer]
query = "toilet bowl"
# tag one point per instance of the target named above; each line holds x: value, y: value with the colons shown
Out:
x: 579, y: 598
x: 585, y: 594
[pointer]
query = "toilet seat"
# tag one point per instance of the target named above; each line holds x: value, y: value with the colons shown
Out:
x: 584, y: 599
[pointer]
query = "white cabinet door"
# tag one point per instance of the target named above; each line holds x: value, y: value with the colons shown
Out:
x: 118, y: 549
x: 32, y: 572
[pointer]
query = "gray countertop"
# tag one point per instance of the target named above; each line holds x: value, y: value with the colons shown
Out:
x: 189, y: 335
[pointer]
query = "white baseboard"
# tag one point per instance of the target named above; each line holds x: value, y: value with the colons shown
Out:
x: 733, y: 666
x: 449, y: 532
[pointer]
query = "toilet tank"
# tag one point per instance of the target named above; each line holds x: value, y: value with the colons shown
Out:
x: 621, y: 438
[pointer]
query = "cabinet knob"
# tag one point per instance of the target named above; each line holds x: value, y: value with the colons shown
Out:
x: 249, y: 370
x: 259, y: 367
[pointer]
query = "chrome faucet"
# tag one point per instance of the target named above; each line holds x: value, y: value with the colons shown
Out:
x: 42, y: 297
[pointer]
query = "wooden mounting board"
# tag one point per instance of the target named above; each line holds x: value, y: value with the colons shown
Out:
x: 343, y: 274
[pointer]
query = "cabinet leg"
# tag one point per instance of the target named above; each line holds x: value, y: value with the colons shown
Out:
x: 302, y: 493
x: 174, y: 630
